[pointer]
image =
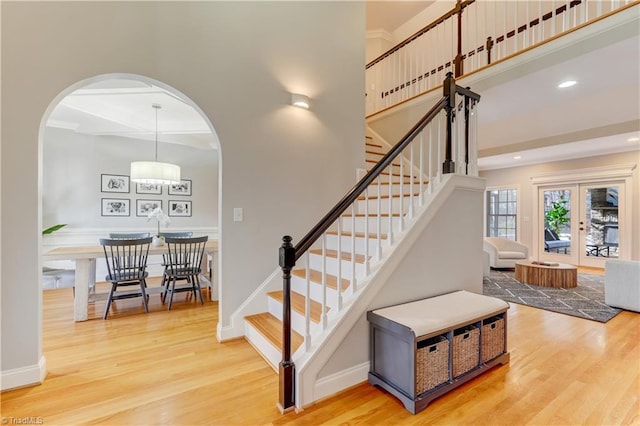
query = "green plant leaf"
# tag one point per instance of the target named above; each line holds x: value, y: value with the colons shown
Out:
x: 53, y: 229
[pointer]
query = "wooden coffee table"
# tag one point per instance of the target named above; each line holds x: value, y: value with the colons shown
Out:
x: 560, y: 276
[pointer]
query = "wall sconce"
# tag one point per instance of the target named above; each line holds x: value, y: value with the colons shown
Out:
x: 300, y: 101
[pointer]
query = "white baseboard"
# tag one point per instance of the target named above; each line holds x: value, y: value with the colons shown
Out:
x: 341, y: 380
x: 24, y: 376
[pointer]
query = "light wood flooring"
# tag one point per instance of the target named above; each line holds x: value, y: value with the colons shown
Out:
x: 166, y: 368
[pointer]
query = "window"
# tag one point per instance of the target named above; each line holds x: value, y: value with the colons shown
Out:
x: 502, y: 208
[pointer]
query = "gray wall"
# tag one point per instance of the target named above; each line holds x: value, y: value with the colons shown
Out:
x: 71, y: 169
x: 238, y: 62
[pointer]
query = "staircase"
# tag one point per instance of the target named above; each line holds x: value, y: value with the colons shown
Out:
x: 347, y: 241
x: 334, y: 272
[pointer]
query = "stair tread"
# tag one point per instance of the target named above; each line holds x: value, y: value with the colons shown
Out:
x: 298, y: 304
x: 406, y: 176
x: 396, y: 181
x: 386, y: 196
x: 316, y: 277
x: 371, y: 214
x: 270, y: 328
x: 366, y: 151
x: 358, y: 234
x: 333, y: 253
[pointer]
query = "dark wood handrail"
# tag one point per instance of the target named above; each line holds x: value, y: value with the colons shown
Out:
x: 307, y: 241
x: 460, y: 6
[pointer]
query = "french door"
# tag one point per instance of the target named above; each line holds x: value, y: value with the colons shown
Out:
x: 581, y: 224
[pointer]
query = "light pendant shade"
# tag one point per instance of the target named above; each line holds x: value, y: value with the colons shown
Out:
x: 153, y: 172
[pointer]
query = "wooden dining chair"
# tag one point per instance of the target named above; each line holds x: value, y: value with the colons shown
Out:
x: 129, y: 235
x: 186, y: 234
x: 184, y: 259
x: 126, y: 266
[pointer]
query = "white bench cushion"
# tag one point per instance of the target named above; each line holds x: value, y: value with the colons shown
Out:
x: 437, y: 313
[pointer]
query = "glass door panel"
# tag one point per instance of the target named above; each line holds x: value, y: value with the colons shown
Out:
x: 558, y: 227
x: 599, y: 223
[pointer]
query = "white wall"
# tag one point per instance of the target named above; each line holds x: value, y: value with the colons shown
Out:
x: 521, y: 177
x: 73, y: 163
x: 238, y: 62
x: 434, y: 11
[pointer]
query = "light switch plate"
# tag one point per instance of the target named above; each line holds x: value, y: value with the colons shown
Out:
x: 238, y: 214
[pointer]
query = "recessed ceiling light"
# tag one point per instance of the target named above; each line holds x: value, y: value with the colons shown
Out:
x: 517, y: 157
x: 633, y: 139
x: 567, y: 83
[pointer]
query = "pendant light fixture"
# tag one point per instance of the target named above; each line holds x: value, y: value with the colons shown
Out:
x: 154, y: 172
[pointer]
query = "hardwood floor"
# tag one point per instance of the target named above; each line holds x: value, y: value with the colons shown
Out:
x: 167, y: 368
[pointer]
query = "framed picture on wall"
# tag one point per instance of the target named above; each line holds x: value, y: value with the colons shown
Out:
x: 144, y: 207
x: 179, y: 208
x: 114, y: 183
x: 148, y: 188
x: 182, y: 188
x: 115, y: 207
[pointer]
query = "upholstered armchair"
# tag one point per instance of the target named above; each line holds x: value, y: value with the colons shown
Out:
x: 504, y: 253
x: 622, y: 284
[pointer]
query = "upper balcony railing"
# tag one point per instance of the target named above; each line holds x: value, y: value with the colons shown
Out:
x: 472, y: 35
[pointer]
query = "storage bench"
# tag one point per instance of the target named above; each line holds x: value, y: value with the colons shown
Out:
x: 423, y: 349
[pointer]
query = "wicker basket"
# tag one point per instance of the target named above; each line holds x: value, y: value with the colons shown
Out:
x: 492, y: 338
x: 432, y: 363
x: 466, y: 349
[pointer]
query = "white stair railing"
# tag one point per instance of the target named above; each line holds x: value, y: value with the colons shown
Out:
x: 474, y: 34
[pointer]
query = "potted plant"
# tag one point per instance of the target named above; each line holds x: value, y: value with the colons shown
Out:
x: 558, y: 215
x: 160, y: 217
x: 54, y: 228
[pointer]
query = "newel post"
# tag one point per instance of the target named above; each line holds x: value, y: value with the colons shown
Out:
x: 489, y: 47
x: 287, y: 368
x: 449, y: 92
x: 458, y: 63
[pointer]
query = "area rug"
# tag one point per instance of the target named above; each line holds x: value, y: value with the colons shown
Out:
x: 585, y: 301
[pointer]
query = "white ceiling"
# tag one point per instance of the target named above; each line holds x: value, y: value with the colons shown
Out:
x: 391, y: 14
x: 123, y: 108
x: 531, y: 117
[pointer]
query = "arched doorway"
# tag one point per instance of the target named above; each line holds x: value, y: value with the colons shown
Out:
x: 93, y: 130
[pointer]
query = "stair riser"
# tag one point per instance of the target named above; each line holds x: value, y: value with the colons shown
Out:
x: 315, y: 262
x: 299, y: 285
x: 332, y: 243
x: 384, y: 205
x: 394, y: 167
x: 395, y: 188
x: 297, y: 319
x: 373, y: 224
x: 271, y: 353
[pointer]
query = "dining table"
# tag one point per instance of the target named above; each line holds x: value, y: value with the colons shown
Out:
x: 85, y: 271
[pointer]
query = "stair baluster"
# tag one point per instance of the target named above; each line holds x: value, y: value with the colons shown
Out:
x: 353, y: 285
x: 339, y: 259
x: 390, y: 193
x: 401, y: 201
x: 366, y: 233
x: 324, y: 281
x: 411, y: 195
x: 378, y: 220
x: 307, y: 304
